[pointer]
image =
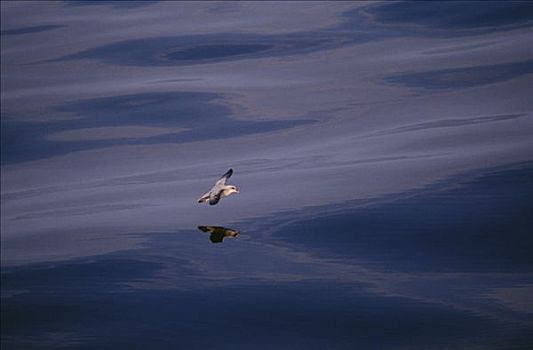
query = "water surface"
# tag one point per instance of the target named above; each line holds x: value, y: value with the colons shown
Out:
x: 383, y: 153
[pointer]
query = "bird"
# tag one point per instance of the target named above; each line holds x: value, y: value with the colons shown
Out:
x: 219, y: 190
x: 218, y: 233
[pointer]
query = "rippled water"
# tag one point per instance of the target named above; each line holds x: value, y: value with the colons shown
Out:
x: 383, y: 153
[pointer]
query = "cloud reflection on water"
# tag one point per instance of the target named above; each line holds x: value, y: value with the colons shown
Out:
x: 197, y: 116
x: 460, y: 78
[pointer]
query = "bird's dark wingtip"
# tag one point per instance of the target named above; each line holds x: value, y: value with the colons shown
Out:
x: 228, y: 173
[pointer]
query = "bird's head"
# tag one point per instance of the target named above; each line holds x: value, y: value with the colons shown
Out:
x: 233, y: 189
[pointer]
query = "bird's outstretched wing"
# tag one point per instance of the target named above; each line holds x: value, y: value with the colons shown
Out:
x: 224, y: 177
x: 205, y: 197
x: 214, y: 197
x: 205, y: 228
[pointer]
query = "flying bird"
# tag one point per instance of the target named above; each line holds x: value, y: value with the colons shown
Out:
x: 218, y: 233
x: 219, y: 190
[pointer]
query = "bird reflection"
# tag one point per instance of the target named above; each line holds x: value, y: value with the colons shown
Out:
x: 218, y: 233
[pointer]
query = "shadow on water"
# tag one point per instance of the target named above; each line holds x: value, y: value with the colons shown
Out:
x: 218, y: 233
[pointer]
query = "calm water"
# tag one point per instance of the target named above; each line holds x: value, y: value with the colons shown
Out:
x: 383, y: 152
x: 447, y: 266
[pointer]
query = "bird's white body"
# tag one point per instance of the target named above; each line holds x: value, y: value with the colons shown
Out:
x: 228, y: 190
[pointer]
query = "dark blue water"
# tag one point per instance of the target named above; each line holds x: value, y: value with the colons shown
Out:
x: 484, y: 225
x: 455, y: 243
